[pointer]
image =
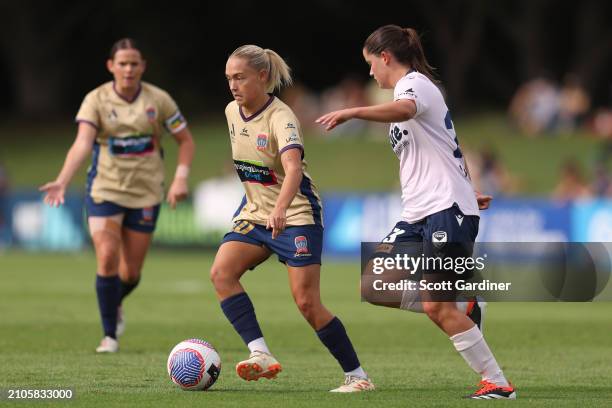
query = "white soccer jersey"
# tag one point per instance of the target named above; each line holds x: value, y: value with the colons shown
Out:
x: 432, y: 167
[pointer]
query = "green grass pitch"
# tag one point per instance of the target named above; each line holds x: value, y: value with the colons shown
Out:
x: 558, y: 355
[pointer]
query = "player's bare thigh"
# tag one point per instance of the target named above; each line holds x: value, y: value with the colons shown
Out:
x: 134, y: 248
x: 106, y: 236
x: 233, y: 259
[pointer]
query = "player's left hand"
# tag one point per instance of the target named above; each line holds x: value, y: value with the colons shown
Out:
x: 483, y: 200
x: 277, y: 221
x: 178, y: 192
x: 333, y: 119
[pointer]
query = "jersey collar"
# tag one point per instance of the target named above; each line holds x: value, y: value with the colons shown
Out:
x: 126, y: 99
x: 253, y: 116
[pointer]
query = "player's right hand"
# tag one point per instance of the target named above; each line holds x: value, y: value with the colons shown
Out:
x: 484, y: 201
x: 277, y: 221
x: 333, y: 119
x: 54, y: 193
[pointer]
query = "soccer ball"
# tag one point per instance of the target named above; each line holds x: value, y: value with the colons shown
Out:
x: 194, y: 364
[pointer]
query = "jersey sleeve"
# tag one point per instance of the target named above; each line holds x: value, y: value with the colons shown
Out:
x: 171, y: 115
x: 89, y: 112
x: 287, y: 132
x: 412, y: 88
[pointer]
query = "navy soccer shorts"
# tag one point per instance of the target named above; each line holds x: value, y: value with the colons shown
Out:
x: 445, y: 234
x: 296, y: 246
x: 137, y: 219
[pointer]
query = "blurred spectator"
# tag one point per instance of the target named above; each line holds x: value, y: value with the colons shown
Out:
x: 4, y: 185
x: 488, y: 173
x: 601, y: 123
x: 535, y: 106
x: 375, y: 95
x: 572, y: 184
x: 349, y: 93
x: 304, y: 104
x: 574, y: 104
x: 602, y: 184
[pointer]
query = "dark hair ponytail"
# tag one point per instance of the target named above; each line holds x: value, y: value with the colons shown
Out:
x: 404, y: 44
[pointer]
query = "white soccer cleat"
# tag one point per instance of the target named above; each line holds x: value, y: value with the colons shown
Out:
x: 108, y: 345
x: 355, y: 384
x: 120, y: 322
x: 258, y: 365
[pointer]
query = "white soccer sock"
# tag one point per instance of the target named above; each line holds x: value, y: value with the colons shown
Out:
x: 358, y: 372
x: 475, y: 351
x: 258, y: 345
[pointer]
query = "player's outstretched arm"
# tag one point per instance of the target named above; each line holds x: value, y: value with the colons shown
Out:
x: 396, y: 111
x: 179, y: 189
x: 79, y: 151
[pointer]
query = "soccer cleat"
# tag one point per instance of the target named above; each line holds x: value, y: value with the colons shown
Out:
x: 108, y: 345
x: 120, y: 322
x: 489, y: 390
x: 476, y: 310
x: 355, y: 384
x: 258, y: 365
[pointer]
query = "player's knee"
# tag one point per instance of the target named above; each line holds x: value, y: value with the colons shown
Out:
x: 307, y: 306
x: 220, y: 276
x: 433, y: 310
x: 108, y: 261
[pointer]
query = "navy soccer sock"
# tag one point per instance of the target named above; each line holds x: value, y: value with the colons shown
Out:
x: 240, y: 312
x: 108, y: 289
x: 127, y: 288
x: 334, y: 336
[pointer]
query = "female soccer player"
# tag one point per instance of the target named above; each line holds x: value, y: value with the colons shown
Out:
x: 440, y: 207
x: 121, y: 122
x: 280, y: 213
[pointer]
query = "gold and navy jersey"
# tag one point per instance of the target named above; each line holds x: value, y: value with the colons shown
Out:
x: 127, y: 166
x: 258, y: 142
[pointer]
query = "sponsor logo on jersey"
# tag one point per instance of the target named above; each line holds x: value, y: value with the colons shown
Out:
x: 137, y: 145
x: 395, y: 138
x: 301, y: 246
x: 251, y: 172
x: 293, y: 138
x: 439, y: 238
x: 244, y: 132
x: 151, y: 114
x: 262, y: 141
x: 290, y: 126
x: 408, y: 92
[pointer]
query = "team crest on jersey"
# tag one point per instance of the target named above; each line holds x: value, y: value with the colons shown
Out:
x: 439, y: 238
x: 147, y: 214
x: 262, y: 141
x: 151, y: 114
x: 301, y: 246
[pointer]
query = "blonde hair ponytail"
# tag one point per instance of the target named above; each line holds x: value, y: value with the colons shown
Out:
x: 279, y: 73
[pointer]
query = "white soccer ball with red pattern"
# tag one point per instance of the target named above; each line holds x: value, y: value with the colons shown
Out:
x: 194, y: 364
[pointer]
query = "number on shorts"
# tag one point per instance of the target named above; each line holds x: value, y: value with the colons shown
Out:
x: 393, y: 236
